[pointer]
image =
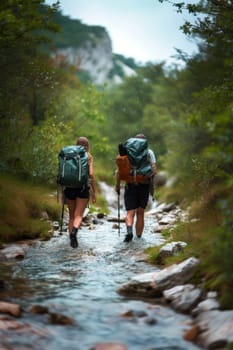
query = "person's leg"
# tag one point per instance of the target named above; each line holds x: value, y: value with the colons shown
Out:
x: 71, y: 207
x: 72, y: 231
x: 129, y: 220
x: 80, y: 206
x: 139, y: 221
x: 130, y: 205
x: 143, y: 195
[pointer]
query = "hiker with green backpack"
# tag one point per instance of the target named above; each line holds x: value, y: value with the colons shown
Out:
x: 76, y: 176
x: 136, y: 167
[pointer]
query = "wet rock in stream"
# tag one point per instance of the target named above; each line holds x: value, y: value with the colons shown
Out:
x: 109, y: 346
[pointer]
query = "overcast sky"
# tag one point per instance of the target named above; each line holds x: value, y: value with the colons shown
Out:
x: 145, y: 30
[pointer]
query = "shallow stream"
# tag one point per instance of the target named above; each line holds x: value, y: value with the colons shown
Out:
x: 82, y: 284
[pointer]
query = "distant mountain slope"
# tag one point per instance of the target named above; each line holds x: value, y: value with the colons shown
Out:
x: 90, y: 48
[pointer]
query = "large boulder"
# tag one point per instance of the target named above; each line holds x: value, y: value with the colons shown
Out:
x: 183, y: 298
x: 153, y: 284
x: 14, y: 251
x: 216, y: 328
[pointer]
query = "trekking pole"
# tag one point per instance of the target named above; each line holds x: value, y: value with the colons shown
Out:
x: 62, y: 212
x: 119, y: 218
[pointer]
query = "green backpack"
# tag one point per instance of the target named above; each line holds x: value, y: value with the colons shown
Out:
x: 73, y: 168
x: 137, y: 152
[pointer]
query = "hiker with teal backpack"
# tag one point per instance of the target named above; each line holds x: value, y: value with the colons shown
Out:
x: 76, y: 175
x: 136, y: 167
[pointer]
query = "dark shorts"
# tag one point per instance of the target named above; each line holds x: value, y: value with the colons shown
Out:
x: 73, y: 193
x: 136, y: 196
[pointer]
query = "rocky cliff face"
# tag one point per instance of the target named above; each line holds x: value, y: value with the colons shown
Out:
x: 95, y: 56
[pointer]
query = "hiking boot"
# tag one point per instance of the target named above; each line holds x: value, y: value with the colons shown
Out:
x: 128, y: 237
x: 73, y: 238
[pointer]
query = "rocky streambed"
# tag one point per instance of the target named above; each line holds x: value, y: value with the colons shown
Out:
x: 105, y: 295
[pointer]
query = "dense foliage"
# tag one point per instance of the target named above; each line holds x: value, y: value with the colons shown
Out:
x: 43, y: 105
x: 187, y: 114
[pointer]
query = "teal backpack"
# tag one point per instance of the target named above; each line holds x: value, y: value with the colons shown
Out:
x: 137, y: 152
x: 73, y: 168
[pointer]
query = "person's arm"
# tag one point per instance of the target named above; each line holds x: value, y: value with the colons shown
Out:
x: 92, y: 179
x: 154, y: 172
x: 153, y: 161
x: 154, y: 168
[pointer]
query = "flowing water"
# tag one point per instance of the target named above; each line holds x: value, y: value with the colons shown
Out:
x: 82, y: 284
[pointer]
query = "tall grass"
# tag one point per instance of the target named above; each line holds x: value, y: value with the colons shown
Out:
x: 23, y: 208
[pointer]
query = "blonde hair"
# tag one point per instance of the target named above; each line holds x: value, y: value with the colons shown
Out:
x: 83, y: 141
x: 140, y: 136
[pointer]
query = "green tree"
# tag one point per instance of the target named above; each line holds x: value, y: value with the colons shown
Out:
x: 21, y: 23
x: 203, y: 162
x: 127, y: 102
x: 24, y: 72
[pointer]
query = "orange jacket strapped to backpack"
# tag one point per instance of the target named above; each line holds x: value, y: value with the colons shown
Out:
x: 126, y: 173
x: 132, y: 172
